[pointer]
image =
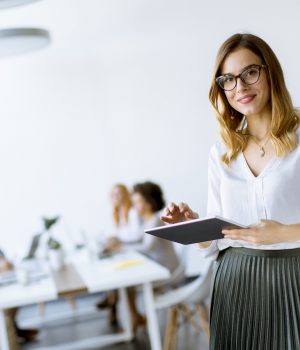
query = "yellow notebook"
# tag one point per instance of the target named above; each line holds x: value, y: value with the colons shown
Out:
x: 128, y: 263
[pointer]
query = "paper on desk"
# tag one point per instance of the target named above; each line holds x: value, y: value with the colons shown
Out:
x: 128, y: 263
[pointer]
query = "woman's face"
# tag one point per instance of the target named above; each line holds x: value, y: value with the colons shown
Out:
x: 247, y: 99
x: 117, y: 196
x: 140, y: 204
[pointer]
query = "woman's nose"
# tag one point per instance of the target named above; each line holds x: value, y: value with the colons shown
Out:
x: 240, y: 85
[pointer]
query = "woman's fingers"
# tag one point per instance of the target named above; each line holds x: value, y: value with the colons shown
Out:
x: 173, y: 209
x: 263, y: 232
x: 248, y: 234
x: 183, y: 207
x: 191, y: 215
x: 172, y: 214
x: 178, y: 213
x: 187, y: 211
x: 167, y: 219
x: 234, y: 234
x: 244, y: 232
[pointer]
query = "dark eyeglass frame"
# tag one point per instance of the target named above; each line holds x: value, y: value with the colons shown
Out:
x: 259, y: 66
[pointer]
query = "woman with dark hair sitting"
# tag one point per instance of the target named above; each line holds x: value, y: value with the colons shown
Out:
x: 147, y: 199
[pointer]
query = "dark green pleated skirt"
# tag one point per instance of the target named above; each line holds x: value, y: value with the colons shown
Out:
x: 256, y: 300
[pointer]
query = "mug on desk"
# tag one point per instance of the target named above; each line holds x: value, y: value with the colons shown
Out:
x: 22, y: 275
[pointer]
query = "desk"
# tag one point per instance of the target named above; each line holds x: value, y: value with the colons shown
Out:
x: 118, y: 272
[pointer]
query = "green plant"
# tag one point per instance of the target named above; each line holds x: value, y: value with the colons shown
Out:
x: 48, y: 223
x: 53, y: 243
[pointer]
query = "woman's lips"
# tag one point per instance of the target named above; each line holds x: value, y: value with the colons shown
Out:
x: 246, y: 99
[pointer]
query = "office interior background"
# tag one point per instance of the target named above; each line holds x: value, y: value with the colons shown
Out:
x: 120, y: 95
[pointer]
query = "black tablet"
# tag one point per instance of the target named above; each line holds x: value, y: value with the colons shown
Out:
x: 195, y: 231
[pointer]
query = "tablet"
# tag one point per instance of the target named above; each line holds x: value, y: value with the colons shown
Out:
x: 195, y: 231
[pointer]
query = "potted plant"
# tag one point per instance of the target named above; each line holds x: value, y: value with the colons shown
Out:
x: 55, y: 251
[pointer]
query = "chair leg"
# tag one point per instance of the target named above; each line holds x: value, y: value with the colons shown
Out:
x: 167, y: 337
x: 42, y: 308
x: 173, y: 344
x: 204, y: 318
x: 171, y: 329
x: 72, y: 301
x: 189, y: 316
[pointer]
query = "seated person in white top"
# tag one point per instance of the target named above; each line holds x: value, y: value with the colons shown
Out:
x: 126, y: 220
x: 126, y: 231
x: 147, y: 199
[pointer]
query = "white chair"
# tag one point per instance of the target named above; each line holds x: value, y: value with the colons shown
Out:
x: 178, y: 275
x: 195, y: 293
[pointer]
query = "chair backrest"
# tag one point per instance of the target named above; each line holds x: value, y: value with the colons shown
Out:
x: 179, y: 273
x: 194, y: 292
x: 203, y: 289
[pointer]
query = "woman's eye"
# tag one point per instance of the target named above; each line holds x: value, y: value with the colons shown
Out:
x: 251, y: 72
x: 228, y: 79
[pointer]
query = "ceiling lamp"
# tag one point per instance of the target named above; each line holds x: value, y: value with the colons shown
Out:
x: 21, y: 40
x: 11, y: 3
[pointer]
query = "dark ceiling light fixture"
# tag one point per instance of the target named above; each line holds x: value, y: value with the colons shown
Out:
x: 15, y: 41
x: 12, y: 3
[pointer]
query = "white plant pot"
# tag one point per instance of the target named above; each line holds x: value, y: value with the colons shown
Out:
x: 56, y: 258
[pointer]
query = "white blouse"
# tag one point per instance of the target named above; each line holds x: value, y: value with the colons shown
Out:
x: 235, y: 193
x: 130, y: 231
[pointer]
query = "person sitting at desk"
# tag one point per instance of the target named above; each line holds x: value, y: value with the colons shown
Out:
x: 14, y: 332
x: 126, y: 220
x: 147, y: 199
x: 126, y: 230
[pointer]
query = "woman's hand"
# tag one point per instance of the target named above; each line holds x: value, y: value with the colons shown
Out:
x: 178, y: 213
x: 112, y: 245
x: 5, y: 265
x: 264, y: 232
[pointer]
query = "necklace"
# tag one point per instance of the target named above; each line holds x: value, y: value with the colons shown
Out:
x: 262, y: 147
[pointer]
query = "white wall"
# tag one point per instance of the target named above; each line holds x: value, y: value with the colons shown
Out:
x: 120, y: 95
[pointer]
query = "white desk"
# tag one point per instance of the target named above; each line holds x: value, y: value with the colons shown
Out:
x: 98, y: 276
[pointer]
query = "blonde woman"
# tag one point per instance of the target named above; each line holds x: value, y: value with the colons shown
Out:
x: 126, y: 221
x: 253, y: 179
x: 126, y: 230
x: 148, y: 201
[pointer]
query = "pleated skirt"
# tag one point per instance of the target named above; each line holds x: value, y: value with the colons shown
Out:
x: 256, y: 300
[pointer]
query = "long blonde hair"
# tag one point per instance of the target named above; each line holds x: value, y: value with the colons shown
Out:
x: 126, y: 204
x: 285, y: 118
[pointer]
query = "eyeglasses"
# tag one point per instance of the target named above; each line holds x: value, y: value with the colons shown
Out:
x: 250, y: 75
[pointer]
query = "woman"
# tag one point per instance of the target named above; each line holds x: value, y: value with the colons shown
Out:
x: 147, y: 199
x: 125, y: 219
x: 126, y: 230
x: 253, y: 179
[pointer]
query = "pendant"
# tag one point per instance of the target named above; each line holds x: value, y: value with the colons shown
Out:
x: 262, y: 152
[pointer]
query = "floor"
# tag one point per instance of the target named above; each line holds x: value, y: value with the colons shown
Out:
x: 87, y: 322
